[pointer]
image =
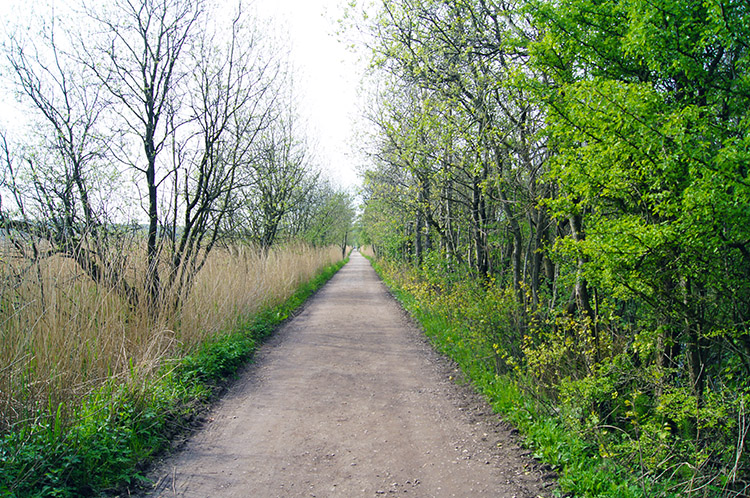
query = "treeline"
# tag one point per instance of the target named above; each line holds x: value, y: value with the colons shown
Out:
x: 170, y: 122
x: 584, y: 165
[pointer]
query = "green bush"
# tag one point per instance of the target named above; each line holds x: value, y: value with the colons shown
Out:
x: 559, y: 416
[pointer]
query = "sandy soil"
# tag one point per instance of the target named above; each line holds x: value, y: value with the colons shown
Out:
x: 348, y: 399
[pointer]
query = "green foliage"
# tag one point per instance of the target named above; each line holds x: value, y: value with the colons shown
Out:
x: 115, y: 431
x: 217, y: 359
x: 121, y: 426
x: 596, y: 422
x: 649, y: 119
x: 569, y: 180
x: 329, y: 218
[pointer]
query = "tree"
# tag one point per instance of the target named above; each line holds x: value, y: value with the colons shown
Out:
x: 328, y: 216
x: 649, y: 118
x: 178, y: 97
x: 137, y: 58
x: 649, y: 133
x: 468, y: 57
x: 65, y: 177
x: 278, y: 180
x: 232, y: 101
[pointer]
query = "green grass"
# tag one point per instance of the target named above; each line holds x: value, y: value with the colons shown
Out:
x: 122, y: 426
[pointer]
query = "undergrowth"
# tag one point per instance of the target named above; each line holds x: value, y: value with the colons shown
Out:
x: 121, y: 426
x: 582, y: 470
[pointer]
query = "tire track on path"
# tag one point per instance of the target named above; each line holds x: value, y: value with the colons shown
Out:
x: 347, y: 399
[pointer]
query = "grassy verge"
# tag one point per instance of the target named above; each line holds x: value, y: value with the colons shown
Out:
x: 582, y: 470
x: 120, y: 426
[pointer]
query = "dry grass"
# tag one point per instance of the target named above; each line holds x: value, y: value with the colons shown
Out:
x: 367, y: 251
x: 61, y: 335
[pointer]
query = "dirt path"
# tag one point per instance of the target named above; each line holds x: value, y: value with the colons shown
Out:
x: 346, y: 400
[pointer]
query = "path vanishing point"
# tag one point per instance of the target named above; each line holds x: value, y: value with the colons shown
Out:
x: 347, y: 399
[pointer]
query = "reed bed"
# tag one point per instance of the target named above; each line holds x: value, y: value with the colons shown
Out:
x: 367, y: 251
x: 63, y: 336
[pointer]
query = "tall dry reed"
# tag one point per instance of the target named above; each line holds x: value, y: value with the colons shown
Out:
x: 61, y: 335
x: 367, y: 251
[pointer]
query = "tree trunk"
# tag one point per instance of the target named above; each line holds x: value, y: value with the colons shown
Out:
x: 477, y: 219
x: 693, y: 342
x: 418, y: 231
x: 537, y: 256
x: 581, y: 290
x: 152, y: 252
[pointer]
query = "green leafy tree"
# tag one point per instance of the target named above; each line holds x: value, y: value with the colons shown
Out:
x: 648, y: 113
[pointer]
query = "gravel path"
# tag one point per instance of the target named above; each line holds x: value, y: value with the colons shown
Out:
x: 346, y: 400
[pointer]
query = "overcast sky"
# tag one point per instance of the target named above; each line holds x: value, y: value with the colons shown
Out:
x: 327, y: 81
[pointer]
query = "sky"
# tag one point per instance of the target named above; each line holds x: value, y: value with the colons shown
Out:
x: 327, y: 77
x: 328, y: 80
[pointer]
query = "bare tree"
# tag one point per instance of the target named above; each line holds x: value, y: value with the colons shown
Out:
x: 232, y: 97
x: 138, y: 59
x: 61, y: 178
x: 278, y: 180
x: 189, y: 101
